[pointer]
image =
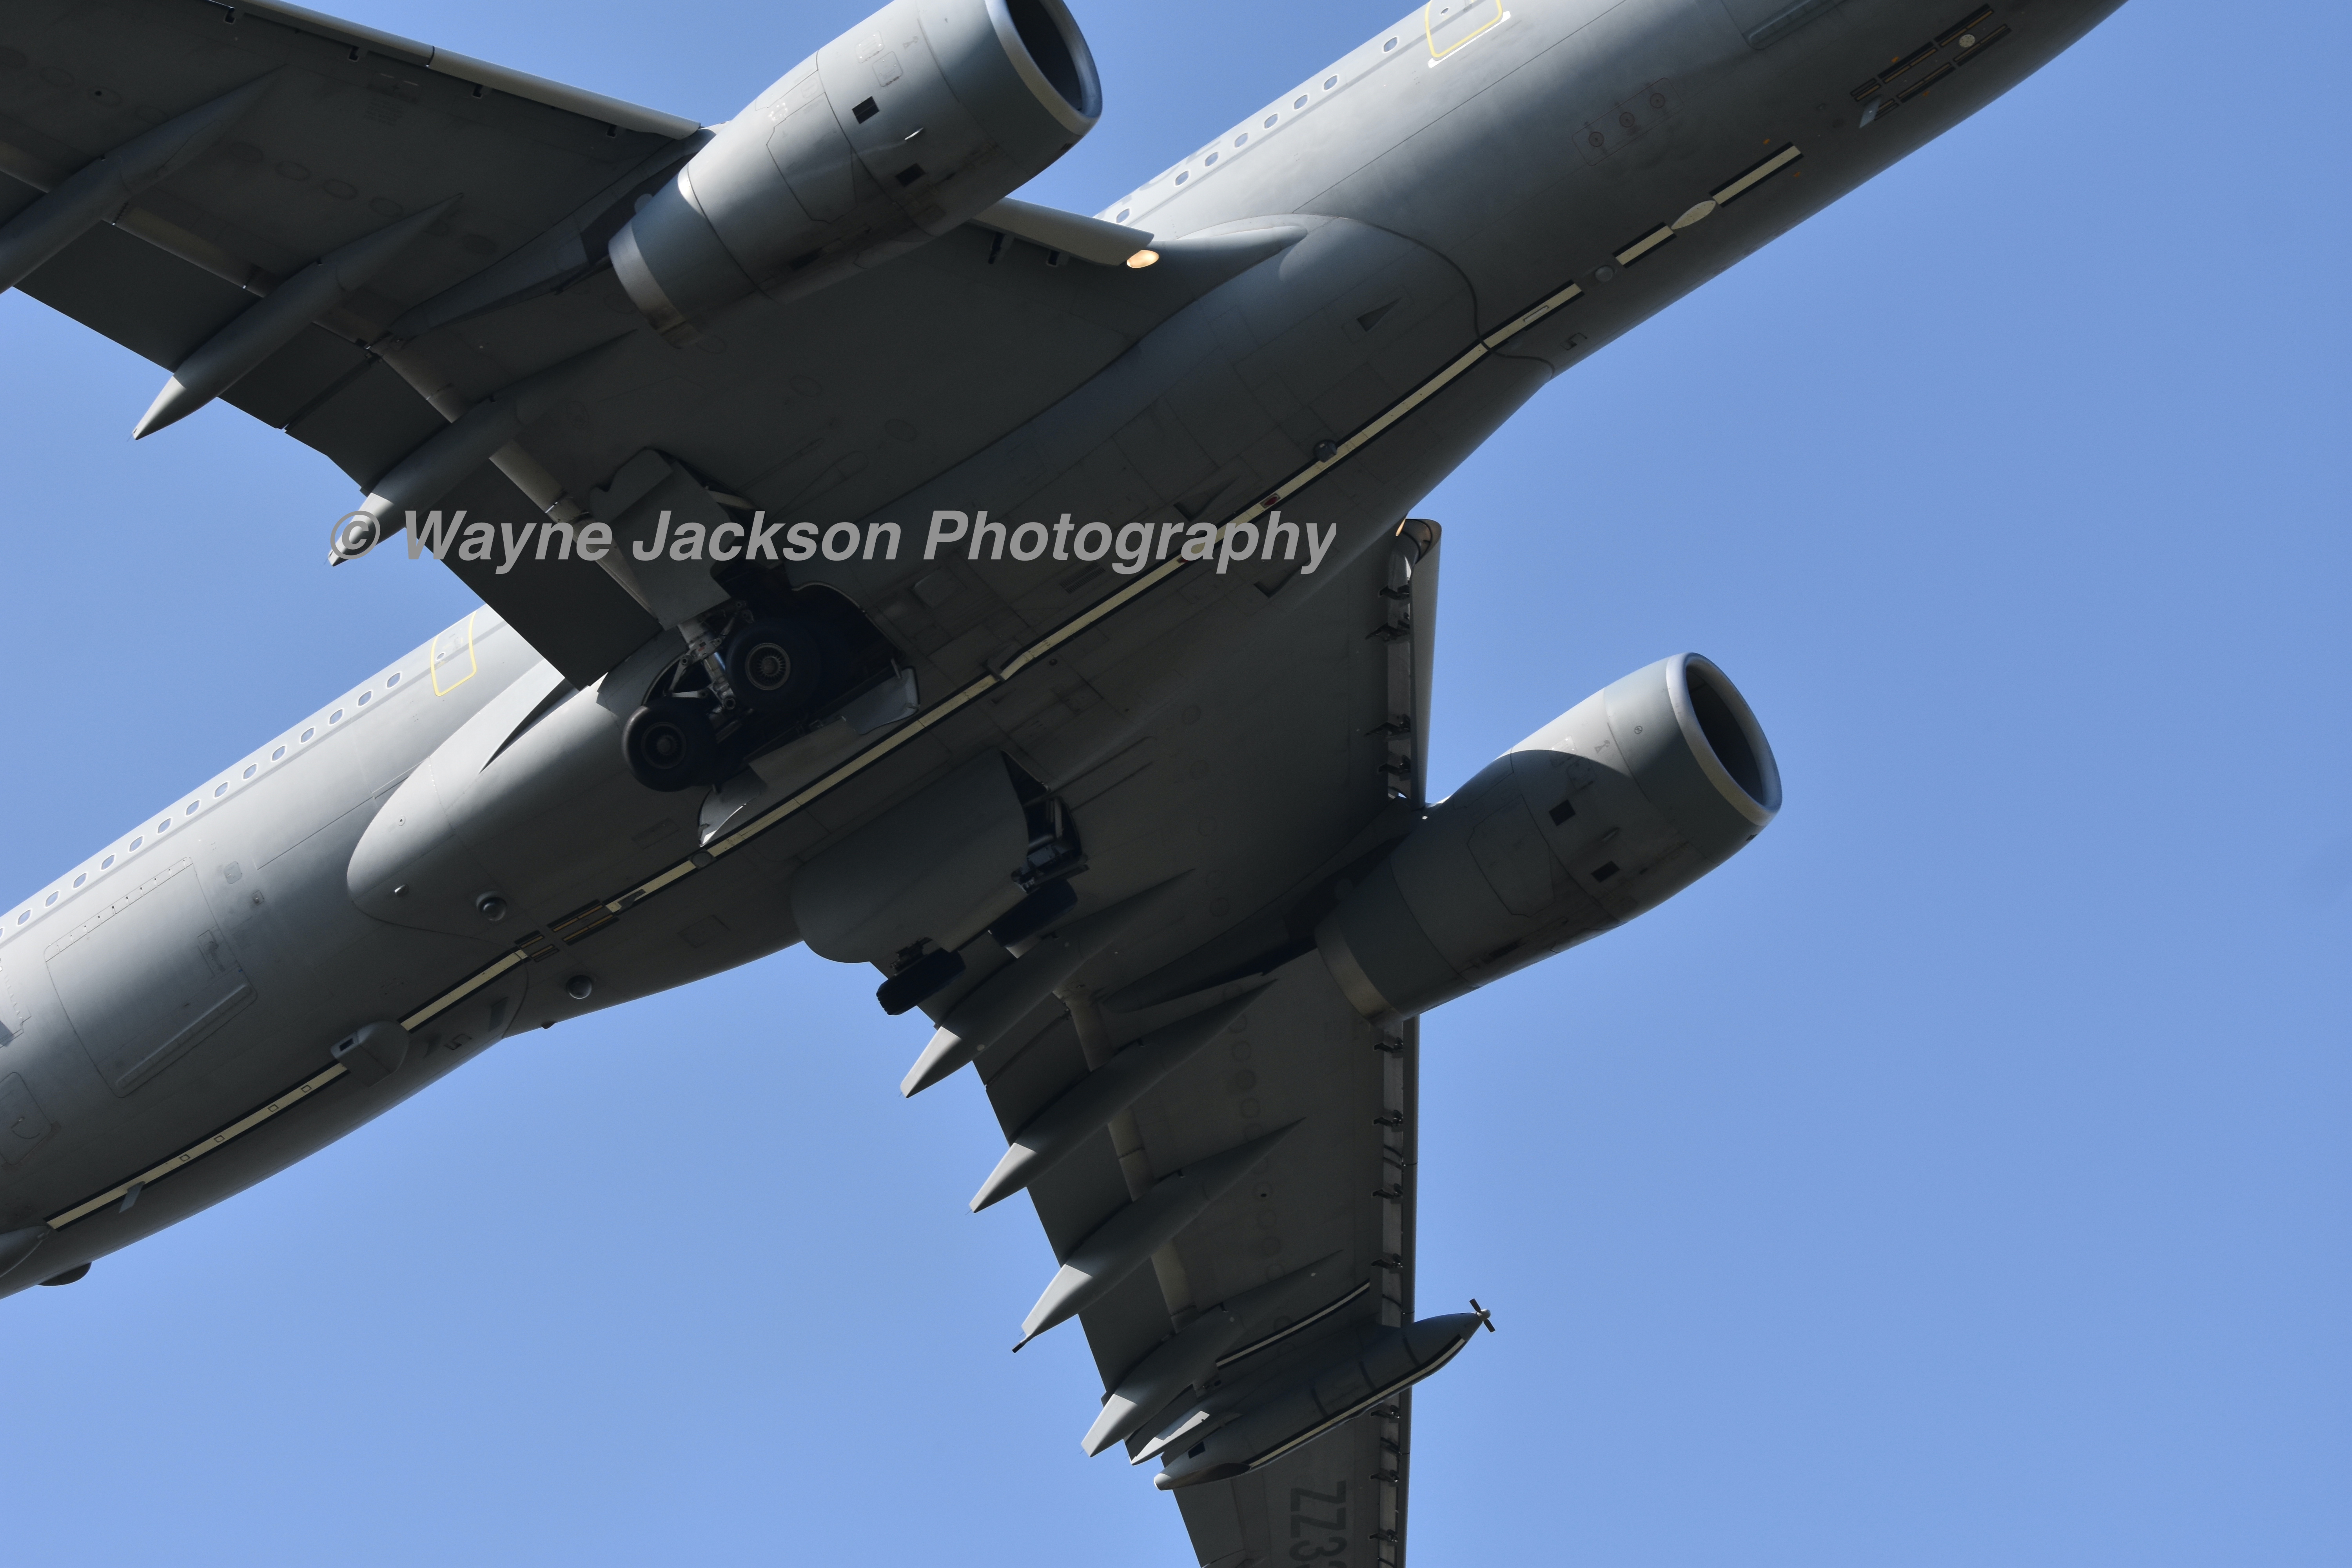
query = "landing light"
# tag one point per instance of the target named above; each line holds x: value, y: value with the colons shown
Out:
x: 1142, y: 259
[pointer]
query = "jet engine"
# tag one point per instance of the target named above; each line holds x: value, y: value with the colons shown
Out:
x: 921, y: 116
x: 1608, y: 810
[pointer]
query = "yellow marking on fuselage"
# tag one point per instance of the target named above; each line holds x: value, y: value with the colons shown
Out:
x: 1429, y: 29
x: 473, y: 666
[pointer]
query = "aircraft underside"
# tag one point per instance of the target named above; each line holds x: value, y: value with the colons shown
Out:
x: 1027, y: 606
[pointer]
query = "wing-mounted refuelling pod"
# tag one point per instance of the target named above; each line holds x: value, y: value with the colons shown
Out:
x: 912, y: 123
x: 1607, y: 811
x: 1385, y: 1366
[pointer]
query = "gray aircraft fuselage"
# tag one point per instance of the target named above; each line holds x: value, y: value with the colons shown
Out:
x: 169, y: 1007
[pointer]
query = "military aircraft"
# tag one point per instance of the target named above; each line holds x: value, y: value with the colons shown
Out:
x: 1025, y: 604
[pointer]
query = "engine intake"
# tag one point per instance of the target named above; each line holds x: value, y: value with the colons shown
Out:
x: 922, y: 116
x: 1608, y: 810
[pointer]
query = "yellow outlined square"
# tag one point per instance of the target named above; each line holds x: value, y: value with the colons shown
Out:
x: 1429, y: 27
x: 444, y: 652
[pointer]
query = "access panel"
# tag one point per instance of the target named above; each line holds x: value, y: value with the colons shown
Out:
x: 148, y: 977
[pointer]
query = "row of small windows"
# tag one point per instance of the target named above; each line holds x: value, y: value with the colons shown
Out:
x: 1268, y: 124
x: 278, y: 754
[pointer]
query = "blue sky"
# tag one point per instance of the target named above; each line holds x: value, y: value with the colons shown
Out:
x: 1961, y: 1176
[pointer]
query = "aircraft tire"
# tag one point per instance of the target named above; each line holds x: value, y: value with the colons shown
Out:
x: 669, y: 745
x: 776, y: 666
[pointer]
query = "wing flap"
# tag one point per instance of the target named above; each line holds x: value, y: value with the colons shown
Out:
x: 155, y: 305
x: 298, y: 378
x: 1327, y: 1502
x: 367, y: 423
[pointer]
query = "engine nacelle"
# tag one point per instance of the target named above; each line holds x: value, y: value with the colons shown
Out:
x: 1608, y: 810
x: 921, y: 116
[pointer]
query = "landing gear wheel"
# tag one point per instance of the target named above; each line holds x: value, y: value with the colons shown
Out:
x: 669, y: 744
x: 775, y: 666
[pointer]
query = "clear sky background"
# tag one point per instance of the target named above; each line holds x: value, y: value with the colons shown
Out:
x: 1959, y: 1176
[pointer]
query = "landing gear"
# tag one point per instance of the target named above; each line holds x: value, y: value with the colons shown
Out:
x: 707, y: 713
x: 769, y: 664
x: 775, y: 665
x: 670, y: 744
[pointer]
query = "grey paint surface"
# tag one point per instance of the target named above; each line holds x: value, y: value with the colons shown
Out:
x: 1250, y: 726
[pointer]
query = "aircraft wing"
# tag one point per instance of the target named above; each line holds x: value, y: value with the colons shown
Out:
x: 1308, y: 1249
x: 1333, y: 1200
x: 843, y: 401
x: 350, y: 131
x: 1272, y: 723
